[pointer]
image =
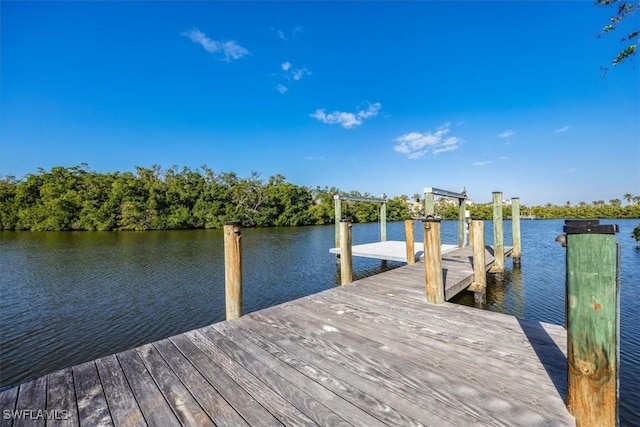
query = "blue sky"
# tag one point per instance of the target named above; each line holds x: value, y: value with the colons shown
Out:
x: 375, y: 97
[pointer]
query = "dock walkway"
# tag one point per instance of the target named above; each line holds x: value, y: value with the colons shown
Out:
x: 369, y: 354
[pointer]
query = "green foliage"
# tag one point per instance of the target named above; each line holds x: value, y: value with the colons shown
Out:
x: 636, y: 233
x: 77, y: 198
x: 623, y: 10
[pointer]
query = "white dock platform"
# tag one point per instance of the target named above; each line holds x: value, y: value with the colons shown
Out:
x: 391, y: 250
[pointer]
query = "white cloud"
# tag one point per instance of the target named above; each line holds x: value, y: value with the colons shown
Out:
x: 417, y: 144
x: 282, y: 88
x: 506, y: 134
x: 345, y: 119
x: 229, y: 49
x: 563, y: 129
x: 300, y: 73
x: 314, y: 158
x: 286, y: 65
x: 570, y: 170
x: 486, y: 162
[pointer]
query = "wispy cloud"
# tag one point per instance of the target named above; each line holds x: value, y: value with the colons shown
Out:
x: 418, y: 144
x: 345, y: 119
x: 300, y: 73
x: 295, y: 74
x: 310, y: 158
x: 484, y: 163
x: 563, y: 129
x: 229, y: 49
x: 282, y: 88
x: 570, y: 170
x: 283, y: 36
x: 507, y: 134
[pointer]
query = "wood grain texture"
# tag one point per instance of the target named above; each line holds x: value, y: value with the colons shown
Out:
x: 238, y: 397
x: 233, y: 270
x: 408, y: 233
x: 218, y: 409
x: 32, y: 396
x: 122, y: 403
x: 154, y: 407
x: 8, y: 400
x: 61, y: 399
x: 592, y: 327
x: 92, y: 404
x: 184, y: 406
x: 346, y: 259
x: 515, y: 230
x: 433, y: 262
x: 498, y: 234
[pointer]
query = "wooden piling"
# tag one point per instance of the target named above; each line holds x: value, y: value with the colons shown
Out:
x: 515, y: 230
x: 498, y: 234
x: 462, y: 207
x: 233, y: 269
x: 593, y: 312
x: 338, y: 218
x: 408, y: 232
x: 346, y: 266
x: 479, y: 284
x: 429, y: 205
x: 433, y: 261
x: 383, y: 222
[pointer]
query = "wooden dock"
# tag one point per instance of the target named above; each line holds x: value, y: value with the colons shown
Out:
x: 371, y: 353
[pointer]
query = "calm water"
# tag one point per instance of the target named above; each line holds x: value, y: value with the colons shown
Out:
x: 71, y: 297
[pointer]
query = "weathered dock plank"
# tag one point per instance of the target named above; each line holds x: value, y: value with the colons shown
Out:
x: 370, y: 353
x: 122, y: 404
x: 61, y: 396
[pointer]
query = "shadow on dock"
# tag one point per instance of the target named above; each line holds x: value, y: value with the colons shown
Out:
x: 551, y: 356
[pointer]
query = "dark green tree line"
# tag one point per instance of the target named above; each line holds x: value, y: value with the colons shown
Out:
x: 77, y: 198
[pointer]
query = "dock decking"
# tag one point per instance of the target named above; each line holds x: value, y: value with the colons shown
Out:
x: 371, y: 353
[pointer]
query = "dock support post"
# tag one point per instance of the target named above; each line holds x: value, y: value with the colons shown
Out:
x: 346, y: 266
x: 408, y: 233
x: 515, y: 230
x: 429, y: 205
x: 433, y: 261
x: 383, y: 220
x: 462, y: 207
x: 338, y: 217
x: 233, y: 269
x: 498, y: 236
x: 479, y: 285
x: 593, y: 315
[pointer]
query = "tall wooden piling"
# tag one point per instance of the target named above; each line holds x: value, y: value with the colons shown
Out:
x: 479, y: 284
x: 498, y: 234
x: 338, y: 218
x: 408, y: 233
x: 593, y: 314
x: 462, y: 207
x: 233, y: 269
x: 346, y: 266
x: 433, y: 261
x: 515, y: 230
x: 383, y: 221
